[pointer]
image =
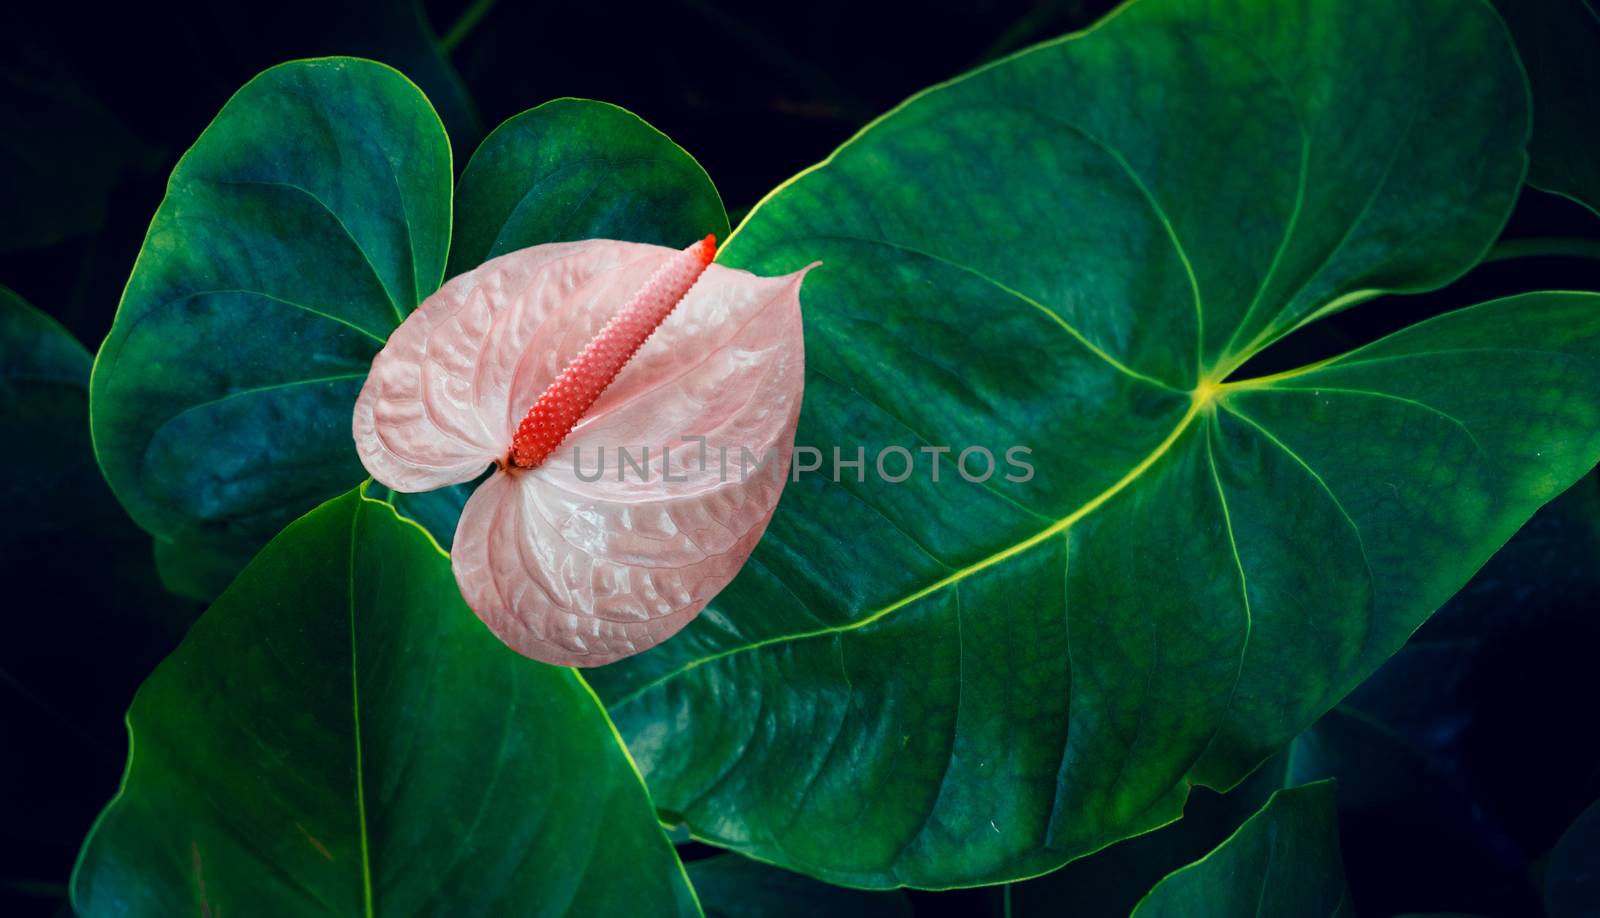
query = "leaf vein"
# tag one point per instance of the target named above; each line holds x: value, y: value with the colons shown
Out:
x: 1016, y: 548
x: 1066, y: 326
x: 393, y: 303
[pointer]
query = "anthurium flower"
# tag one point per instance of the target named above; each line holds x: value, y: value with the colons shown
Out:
x: 639, y: 406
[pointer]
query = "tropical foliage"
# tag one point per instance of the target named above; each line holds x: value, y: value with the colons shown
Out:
x: 1252, y: 636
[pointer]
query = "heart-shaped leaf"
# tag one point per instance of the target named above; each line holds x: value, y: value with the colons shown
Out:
x: 306, y: 222
x: 339, y: 733
x: 303, y: 225
x: 949, y: 680
x: 1283, y: 861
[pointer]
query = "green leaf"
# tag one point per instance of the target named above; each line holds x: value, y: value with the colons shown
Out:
x: 953, y: 683
x: 437, y: 511
x: 1432, y: 752
x: 340, y: 733
x: 731, y: 886
x: 396, y: 32
x: 576, y: 169
x: 44, y: 377
x: 1573, y: 887
x: 88, y: 619
x: 1112, y: 881
x: 306, y: 222
x: 198, y: 568
x: 1431, y: 808
x: 1283, y: 861
x: 1560, y: 45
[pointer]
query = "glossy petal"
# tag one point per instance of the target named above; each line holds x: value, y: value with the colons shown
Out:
x: 585, y: 572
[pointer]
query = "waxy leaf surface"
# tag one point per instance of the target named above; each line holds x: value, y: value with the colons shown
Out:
x: 1433, y: 811
x: 585, y: 559
x: 1074, y: 250
x: 576, y: 169
x: 338, y: 734
x: 1283, y: 861
x: 304, y: 225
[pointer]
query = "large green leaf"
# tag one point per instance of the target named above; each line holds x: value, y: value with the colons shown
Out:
x: 943, y: 682
x: 306, y: 222
x: 1283, y: 861
x: 1560, y: 45
x: 339, y: 733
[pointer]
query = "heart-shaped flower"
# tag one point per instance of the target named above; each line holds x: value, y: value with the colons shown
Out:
x: 639, y: 404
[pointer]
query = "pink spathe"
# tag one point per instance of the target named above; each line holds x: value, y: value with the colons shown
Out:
x: 576, y: 389
x: 579, y: 572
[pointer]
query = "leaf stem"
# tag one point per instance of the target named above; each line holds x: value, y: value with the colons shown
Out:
x: 1544, y: 247
x: 463, y: 26
x: 1041, y: 19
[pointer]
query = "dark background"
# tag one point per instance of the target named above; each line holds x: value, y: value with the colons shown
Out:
x: 96, y: 105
